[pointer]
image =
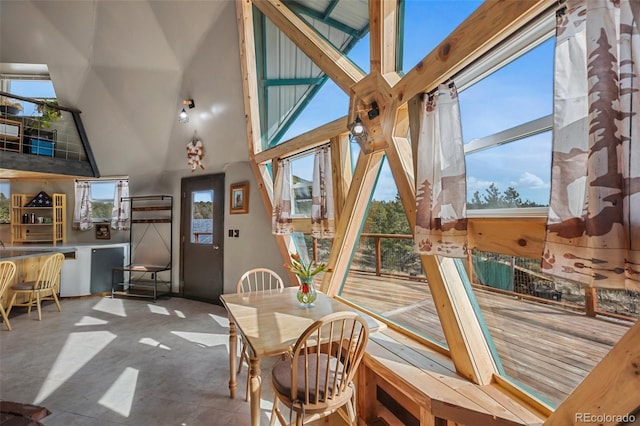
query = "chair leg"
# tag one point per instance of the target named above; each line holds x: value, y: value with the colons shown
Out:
x: 246, y: 396
x: 274, y: 411
x: 243, y: 356
x: 55, y: 298
x: 13, y: 300
x: 5, y: 317
x: 38, y: 305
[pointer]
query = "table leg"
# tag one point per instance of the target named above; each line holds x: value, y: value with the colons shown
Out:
x: 255, y: 387
x: 233, y: 351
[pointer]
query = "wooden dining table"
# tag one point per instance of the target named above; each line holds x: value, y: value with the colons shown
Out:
x: 271, y: 322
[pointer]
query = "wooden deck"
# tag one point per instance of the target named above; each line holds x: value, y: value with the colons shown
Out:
x: 546, y: 348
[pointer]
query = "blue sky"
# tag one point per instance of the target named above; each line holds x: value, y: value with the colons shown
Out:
x: 520, y: 92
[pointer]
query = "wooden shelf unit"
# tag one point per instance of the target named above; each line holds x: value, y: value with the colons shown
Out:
x: 52, y: 231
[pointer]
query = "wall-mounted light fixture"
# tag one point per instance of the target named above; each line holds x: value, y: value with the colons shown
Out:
x: 358, y: 131
x: 183, y: 117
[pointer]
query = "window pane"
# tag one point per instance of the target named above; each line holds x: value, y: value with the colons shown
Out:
x: 538, y: 323
x: 4, y: 203
x: 102, y: 194
x: 384, y: 264
x: 517, y: 93
x: 516, y: 174
x: 202, y: 217
x: 302, y: 175
x: 425, y: 28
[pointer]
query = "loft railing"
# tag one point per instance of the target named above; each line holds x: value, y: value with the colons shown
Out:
x: 33, y: 131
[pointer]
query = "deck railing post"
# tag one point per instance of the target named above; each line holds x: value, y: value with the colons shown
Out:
x: 590, y: 301
x: 378, y: 256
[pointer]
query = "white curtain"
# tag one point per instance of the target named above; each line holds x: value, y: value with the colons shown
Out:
x: 441, y: 190
x: 322, y: 209
x: 120, y: 219
x: 593, y: 229
x: 82, y: 206
x: 281, y: 223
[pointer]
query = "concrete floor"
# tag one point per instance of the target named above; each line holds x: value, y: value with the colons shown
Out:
x: 104, y: 361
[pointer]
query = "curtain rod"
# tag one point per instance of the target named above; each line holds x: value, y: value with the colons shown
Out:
x: 302, y: 153
x: 103, y: 178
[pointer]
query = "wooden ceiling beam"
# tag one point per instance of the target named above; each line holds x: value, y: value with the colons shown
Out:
x: 329, y: 59
x: 383, y: 26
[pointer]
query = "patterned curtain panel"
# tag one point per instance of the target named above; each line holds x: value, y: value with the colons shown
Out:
x: 82, y: 207
x: 281, y: 223
x: 441, y: 205
x: 322, y: 210
x: 593, y: 230
x: 120, y: 219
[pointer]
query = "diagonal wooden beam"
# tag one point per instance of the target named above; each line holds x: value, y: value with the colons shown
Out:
x: 329, y: 59
x: 305, y: 141
x: 492, y: 22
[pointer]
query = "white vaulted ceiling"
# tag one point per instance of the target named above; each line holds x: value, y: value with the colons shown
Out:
x: 127, y: 65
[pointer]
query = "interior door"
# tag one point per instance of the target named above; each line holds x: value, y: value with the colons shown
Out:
x: 201, y: 239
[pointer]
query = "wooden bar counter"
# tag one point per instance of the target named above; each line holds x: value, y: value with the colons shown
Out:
x: 28, y: 264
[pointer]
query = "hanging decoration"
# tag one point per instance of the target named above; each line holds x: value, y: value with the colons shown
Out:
x: 195, y: 153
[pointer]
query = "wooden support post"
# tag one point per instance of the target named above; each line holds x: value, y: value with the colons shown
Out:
x: 378, y: 256
x: 590, y: 301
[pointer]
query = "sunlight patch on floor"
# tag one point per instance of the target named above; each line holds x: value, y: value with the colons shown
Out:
x: 155, y: 309
x: 78, y: 350
x: 222, y: 320
x: 111, y: 306
x: 204, y: 339
x: 119, y: 397
x: 152, y: 342
x: 179, y: 314
x: 87, y: 320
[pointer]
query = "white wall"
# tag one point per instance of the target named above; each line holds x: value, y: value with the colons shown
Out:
x: 256, y: 246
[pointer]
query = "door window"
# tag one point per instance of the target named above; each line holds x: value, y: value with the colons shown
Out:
x: 202, y: 217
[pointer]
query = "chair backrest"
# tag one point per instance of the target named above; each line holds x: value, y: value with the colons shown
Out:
x: 49, y: 276
x: 327, y: 356
x: 7, y: 272
x: 259, y: 279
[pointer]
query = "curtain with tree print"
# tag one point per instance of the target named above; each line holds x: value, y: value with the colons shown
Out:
x: 322, y: 209
x: 82, y: 206
x: 281, y: 223
x: 441, y: 192
x: 593, y: 229
x: 120, y: 219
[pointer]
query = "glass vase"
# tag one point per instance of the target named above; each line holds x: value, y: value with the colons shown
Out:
x: 307, y: 293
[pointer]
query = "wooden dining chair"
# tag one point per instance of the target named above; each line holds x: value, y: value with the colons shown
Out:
x: 257, y: 279
x: 317, y: 379
x: 45, y: 286
x: 7, y: 272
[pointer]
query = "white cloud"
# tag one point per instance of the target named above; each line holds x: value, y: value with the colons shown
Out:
x: 529, y: 180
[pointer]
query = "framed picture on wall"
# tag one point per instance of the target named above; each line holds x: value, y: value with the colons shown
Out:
x: 103, y: 232
x: 239, y: 198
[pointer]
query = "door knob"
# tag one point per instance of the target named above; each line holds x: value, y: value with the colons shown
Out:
x: 216, y: 247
